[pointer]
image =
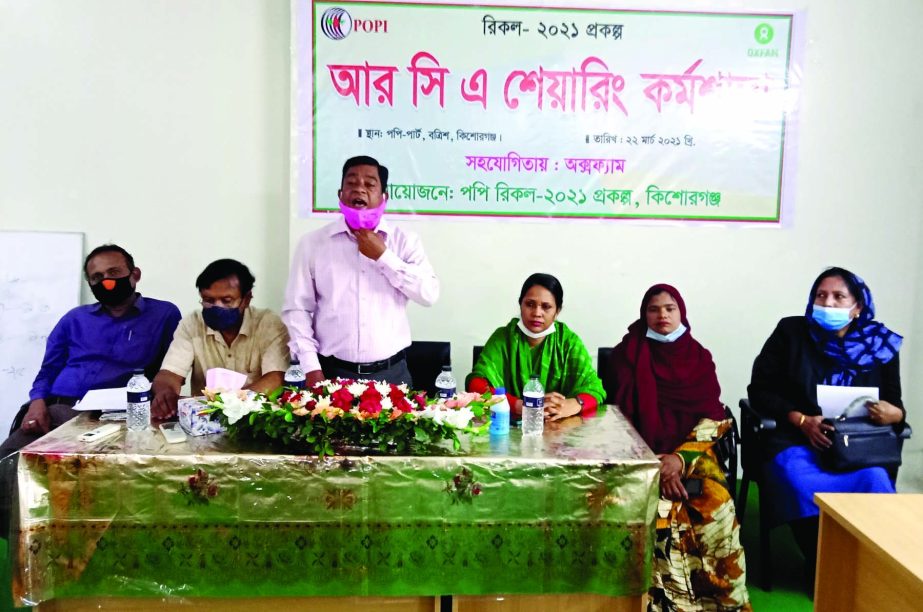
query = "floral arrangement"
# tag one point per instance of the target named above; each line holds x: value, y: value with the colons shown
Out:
x: 346, y: 412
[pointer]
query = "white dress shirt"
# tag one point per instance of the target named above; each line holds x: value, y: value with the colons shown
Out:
x: 341, y: 303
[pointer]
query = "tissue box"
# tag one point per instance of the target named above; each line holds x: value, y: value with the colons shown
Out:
x: 192, y: 422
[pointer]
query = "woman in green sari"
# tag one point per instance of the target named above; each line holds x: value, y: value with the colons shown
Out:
x: 537, y: 343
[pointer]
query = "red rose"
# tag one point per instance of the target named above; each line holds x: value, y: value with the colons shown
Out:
x: 370, y: 394
x: 476, y: 490
x: 396, y: 395
x: 285, y: 396
x: 371, y: 406
x: 342, y: 399
x: 420, y: 399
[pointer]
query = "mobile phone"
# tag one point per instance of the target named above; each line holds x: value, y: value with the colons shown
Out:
x: 172, y: 432
x: 100, y: 433
x: 693, y: 486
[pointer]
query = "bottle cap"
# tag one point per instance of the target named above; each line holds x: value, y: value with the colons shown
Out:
x: 500, y: 391
x: 447, y: 368
x: 138, y: 371
x: 294, y: 360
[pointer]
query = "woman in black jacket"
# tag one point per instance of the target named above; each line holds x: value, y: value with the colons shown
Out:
x: 837, y: 342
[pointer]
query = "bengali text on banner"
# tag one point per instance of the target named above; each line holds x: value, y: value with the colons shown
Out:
x: 546, y: 112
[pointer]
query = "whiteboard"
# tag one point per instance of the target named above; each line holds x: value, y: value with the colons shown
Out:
x: 40, y: 280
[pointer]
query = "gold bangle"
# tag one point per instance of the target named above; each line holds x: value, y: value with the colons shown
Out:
x: 801, y: 422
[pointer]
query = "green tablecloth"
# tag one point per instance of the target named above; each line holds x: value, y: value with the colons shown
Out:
x: 571, y: 512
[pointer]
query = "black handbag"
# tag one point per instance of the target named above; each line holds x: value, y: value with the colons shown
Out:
x: 859, y: 443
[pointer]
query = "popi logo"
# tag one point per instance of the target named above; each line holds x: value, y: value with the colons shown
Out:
x: 763, y: 34
x: 336, y: 24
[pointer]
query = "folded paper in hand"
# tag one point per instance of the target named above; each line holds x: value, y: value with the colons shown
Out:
x: 833, y: 401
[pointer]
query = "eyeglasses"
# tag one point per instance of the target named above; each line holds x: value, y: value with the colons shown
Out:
x: 223, y: 302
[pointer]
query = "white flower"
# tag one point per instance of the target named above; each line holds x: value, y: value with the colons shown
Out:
x: 404, y: 388
x: 456, y: 418
x: 434, y: 413
x: 386, y: 403
x: 459, y: 418
x: 357, y: 389
x: 323, y: 403
x: 383, y: 388
x: 236, y: 407
x: 333, y: 387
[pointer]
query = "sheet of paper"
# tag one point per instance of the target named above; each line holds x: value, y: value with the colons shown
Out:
x: 103, y: 399
x: 834, y: 400
x: 226, y: 380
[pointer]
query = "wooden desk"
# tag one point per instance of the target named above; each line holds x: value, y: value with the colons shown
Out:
x: 870, y: 552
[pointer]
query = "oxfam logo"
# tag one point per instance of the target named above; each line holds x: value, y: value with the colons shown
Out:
x: 336, y: 24
x: 763, y: 34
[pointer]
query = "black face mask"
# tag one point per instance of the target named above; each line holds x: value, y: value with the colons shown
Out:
x: 120, y: 290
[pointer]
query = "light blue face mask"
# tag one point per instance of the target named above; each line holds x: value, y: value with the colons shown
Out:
x: 671, y: 337
x: 831, y: 319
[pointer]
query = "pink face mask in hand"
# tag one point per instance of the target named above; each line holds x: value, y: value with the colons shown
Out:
x: 363, y: 218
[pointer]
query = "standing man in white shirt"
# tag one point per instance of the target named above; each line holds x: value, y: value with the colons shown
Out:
x: 346, y: 301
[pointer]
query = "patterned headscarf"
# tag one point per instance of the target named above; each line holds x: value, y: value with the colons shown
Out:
x: 867, y: 344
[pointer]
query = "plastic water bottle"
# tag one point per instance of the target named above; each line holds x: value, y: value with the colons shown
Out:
x: 500, y: 414
x: 294, y: 375
x: 445, y: 383
x: 139, y: 401
x: 533, y: 407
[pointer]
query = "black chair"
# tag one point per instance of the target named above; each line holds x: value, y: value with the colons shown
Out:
x: 602, y: 359
x: 726, y: 447
x: 17, y: 420
x: 425, y: 360
x: 756, y: 430
x: 727, y: 451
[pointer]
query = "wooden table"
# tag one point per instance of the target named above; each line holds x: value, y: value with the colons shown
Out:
x: 870, y: 552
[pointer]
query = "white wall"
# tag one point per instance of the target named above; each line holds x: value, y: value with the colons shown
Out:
x: 165, y: 126
x: 159, y: 125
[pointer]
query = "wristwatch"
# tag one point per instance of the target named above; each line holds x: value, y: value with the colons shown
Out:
x: 580, y: 401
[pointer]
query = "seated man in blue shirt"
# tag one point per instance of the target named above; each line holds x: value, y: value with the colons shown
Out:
x: 96, y: 346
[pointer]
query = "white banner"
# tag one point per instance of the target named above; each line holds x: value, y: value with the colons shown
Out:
x: 509, y: 111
